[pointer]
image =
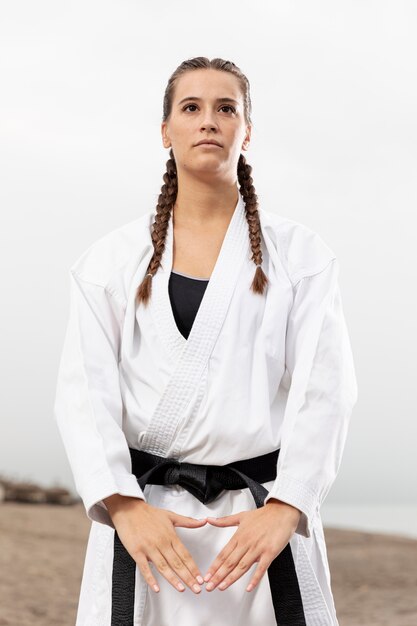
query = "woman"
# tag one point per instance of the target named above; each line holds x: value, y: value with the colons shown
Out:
x: 206, y: 373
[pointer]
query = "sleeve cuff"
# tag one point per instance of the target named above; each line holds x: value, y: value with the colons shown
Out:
x: 296, y: 493
x: 104, y: 486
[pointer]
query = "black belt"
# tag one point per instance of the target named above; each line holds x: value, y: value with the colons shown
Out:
x: 206, y: 482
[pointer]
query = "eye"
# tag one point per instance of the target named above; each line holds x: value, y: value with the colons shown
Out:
x: 188, y: 105
x: 229, y: 106
x: 225, y: 106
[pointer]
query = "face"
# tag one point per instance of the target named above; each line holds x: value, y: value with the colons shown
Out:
x: 207, y: 105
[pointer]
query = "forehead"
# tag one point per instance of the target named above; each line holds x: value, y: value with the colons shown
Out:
x: 207, y: 84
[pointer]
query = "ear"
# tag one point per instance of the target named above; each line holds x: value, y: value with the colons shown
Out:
x: 246, y: 141
x: 164, y: 133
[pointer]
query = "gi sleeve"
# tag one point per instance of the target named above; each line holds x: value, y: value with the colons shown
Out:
x: 88, y: 406
x: 322, y: 393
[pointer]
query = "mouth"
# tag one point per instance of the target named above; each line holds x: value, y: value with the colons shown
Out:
x: 213, y: 144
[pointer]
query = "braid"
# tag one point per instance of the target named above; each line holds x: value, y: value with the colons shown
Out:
x: 252, y: 215
x: 166, y: 201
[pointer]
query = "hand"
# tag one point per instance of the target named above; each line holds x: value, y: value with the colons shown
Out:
x: 262, y: 534
x: 148, y: 534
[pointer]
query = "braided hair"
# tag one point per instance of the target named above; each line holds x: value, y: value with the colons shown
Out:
x: 169, y: 189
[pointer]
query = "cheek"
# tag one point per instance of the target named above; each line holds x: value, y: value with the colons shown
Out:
x: 237, y: 137
x: 180, y: 130
x: 234, y: 150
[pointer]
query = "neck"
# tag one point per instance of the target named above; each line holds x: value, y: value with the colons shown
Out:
x: 200, y: 203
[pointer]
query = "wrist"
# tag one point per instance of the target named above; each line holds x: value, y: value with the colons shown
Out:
x: 289, y: 508
x: 117, y: 502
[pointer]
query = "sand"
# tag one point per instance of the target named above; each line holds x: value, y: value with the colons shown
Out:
x: 42, y: 547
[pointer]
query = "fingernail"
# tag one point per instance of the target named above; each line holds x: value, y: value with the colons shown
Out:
x: 200, y: 579
x: 156, y: 587
x: 207, y: 577
x: 180, y: 586
x: 196, y: 588
x: 210, y: 586
x: 249, y: 587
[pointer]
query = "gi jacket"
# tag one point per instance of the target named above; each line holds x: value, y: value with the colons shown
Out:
x: 257, y: 373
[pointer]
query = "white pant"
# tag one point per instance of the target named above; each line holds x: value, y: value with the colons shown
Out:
x: 234, y: 605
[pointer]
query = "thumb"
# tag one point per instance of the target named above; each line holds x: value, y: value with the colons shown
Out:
x: 227, y: 520
x: 187, y: 522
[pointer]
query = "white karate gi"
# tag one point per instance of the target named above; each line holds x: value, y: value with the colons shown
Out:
x: 257, y: 373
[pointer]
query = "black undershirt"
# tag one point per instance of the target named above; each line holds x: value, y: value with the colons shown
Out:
x: 185, y: 293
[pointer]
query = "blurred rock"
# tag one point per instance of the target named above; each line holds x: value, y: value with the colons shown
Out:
x: 30, y: 492
x: 59, y: 495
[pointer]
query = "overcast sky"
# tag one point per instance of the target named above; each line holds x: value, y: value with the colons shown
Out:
x: 334, y: 97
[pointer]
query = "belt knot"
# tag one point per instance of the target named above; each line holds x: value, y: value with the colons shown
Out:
x: 188, y: 475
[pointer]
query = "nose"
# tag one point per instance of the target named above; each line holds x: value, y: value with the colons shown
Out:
x: 208, y: 122
x: 209, y: 126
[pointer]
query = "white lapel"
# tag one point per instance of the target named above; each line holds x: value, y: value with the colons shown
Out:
x: 191, y: 355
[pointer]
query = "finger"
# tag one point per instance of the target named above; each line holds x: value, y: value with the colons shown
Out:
x: 230, y: 564
x: 263, y: 565
x: 220, y: 559
x: 227, y: 520
x: 178, y: 566
x: 245, y: 563
x: 146, y: 571
x: 162, y: 565
x: 185, y: 521
x: 186, y: 557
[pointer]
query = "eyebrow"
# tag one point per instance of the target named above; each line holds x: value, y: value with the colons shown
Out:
x: 217, y: 100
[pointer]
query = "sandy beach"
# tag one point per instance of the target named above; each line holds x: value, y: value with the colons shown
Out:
x: 374, y: 576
